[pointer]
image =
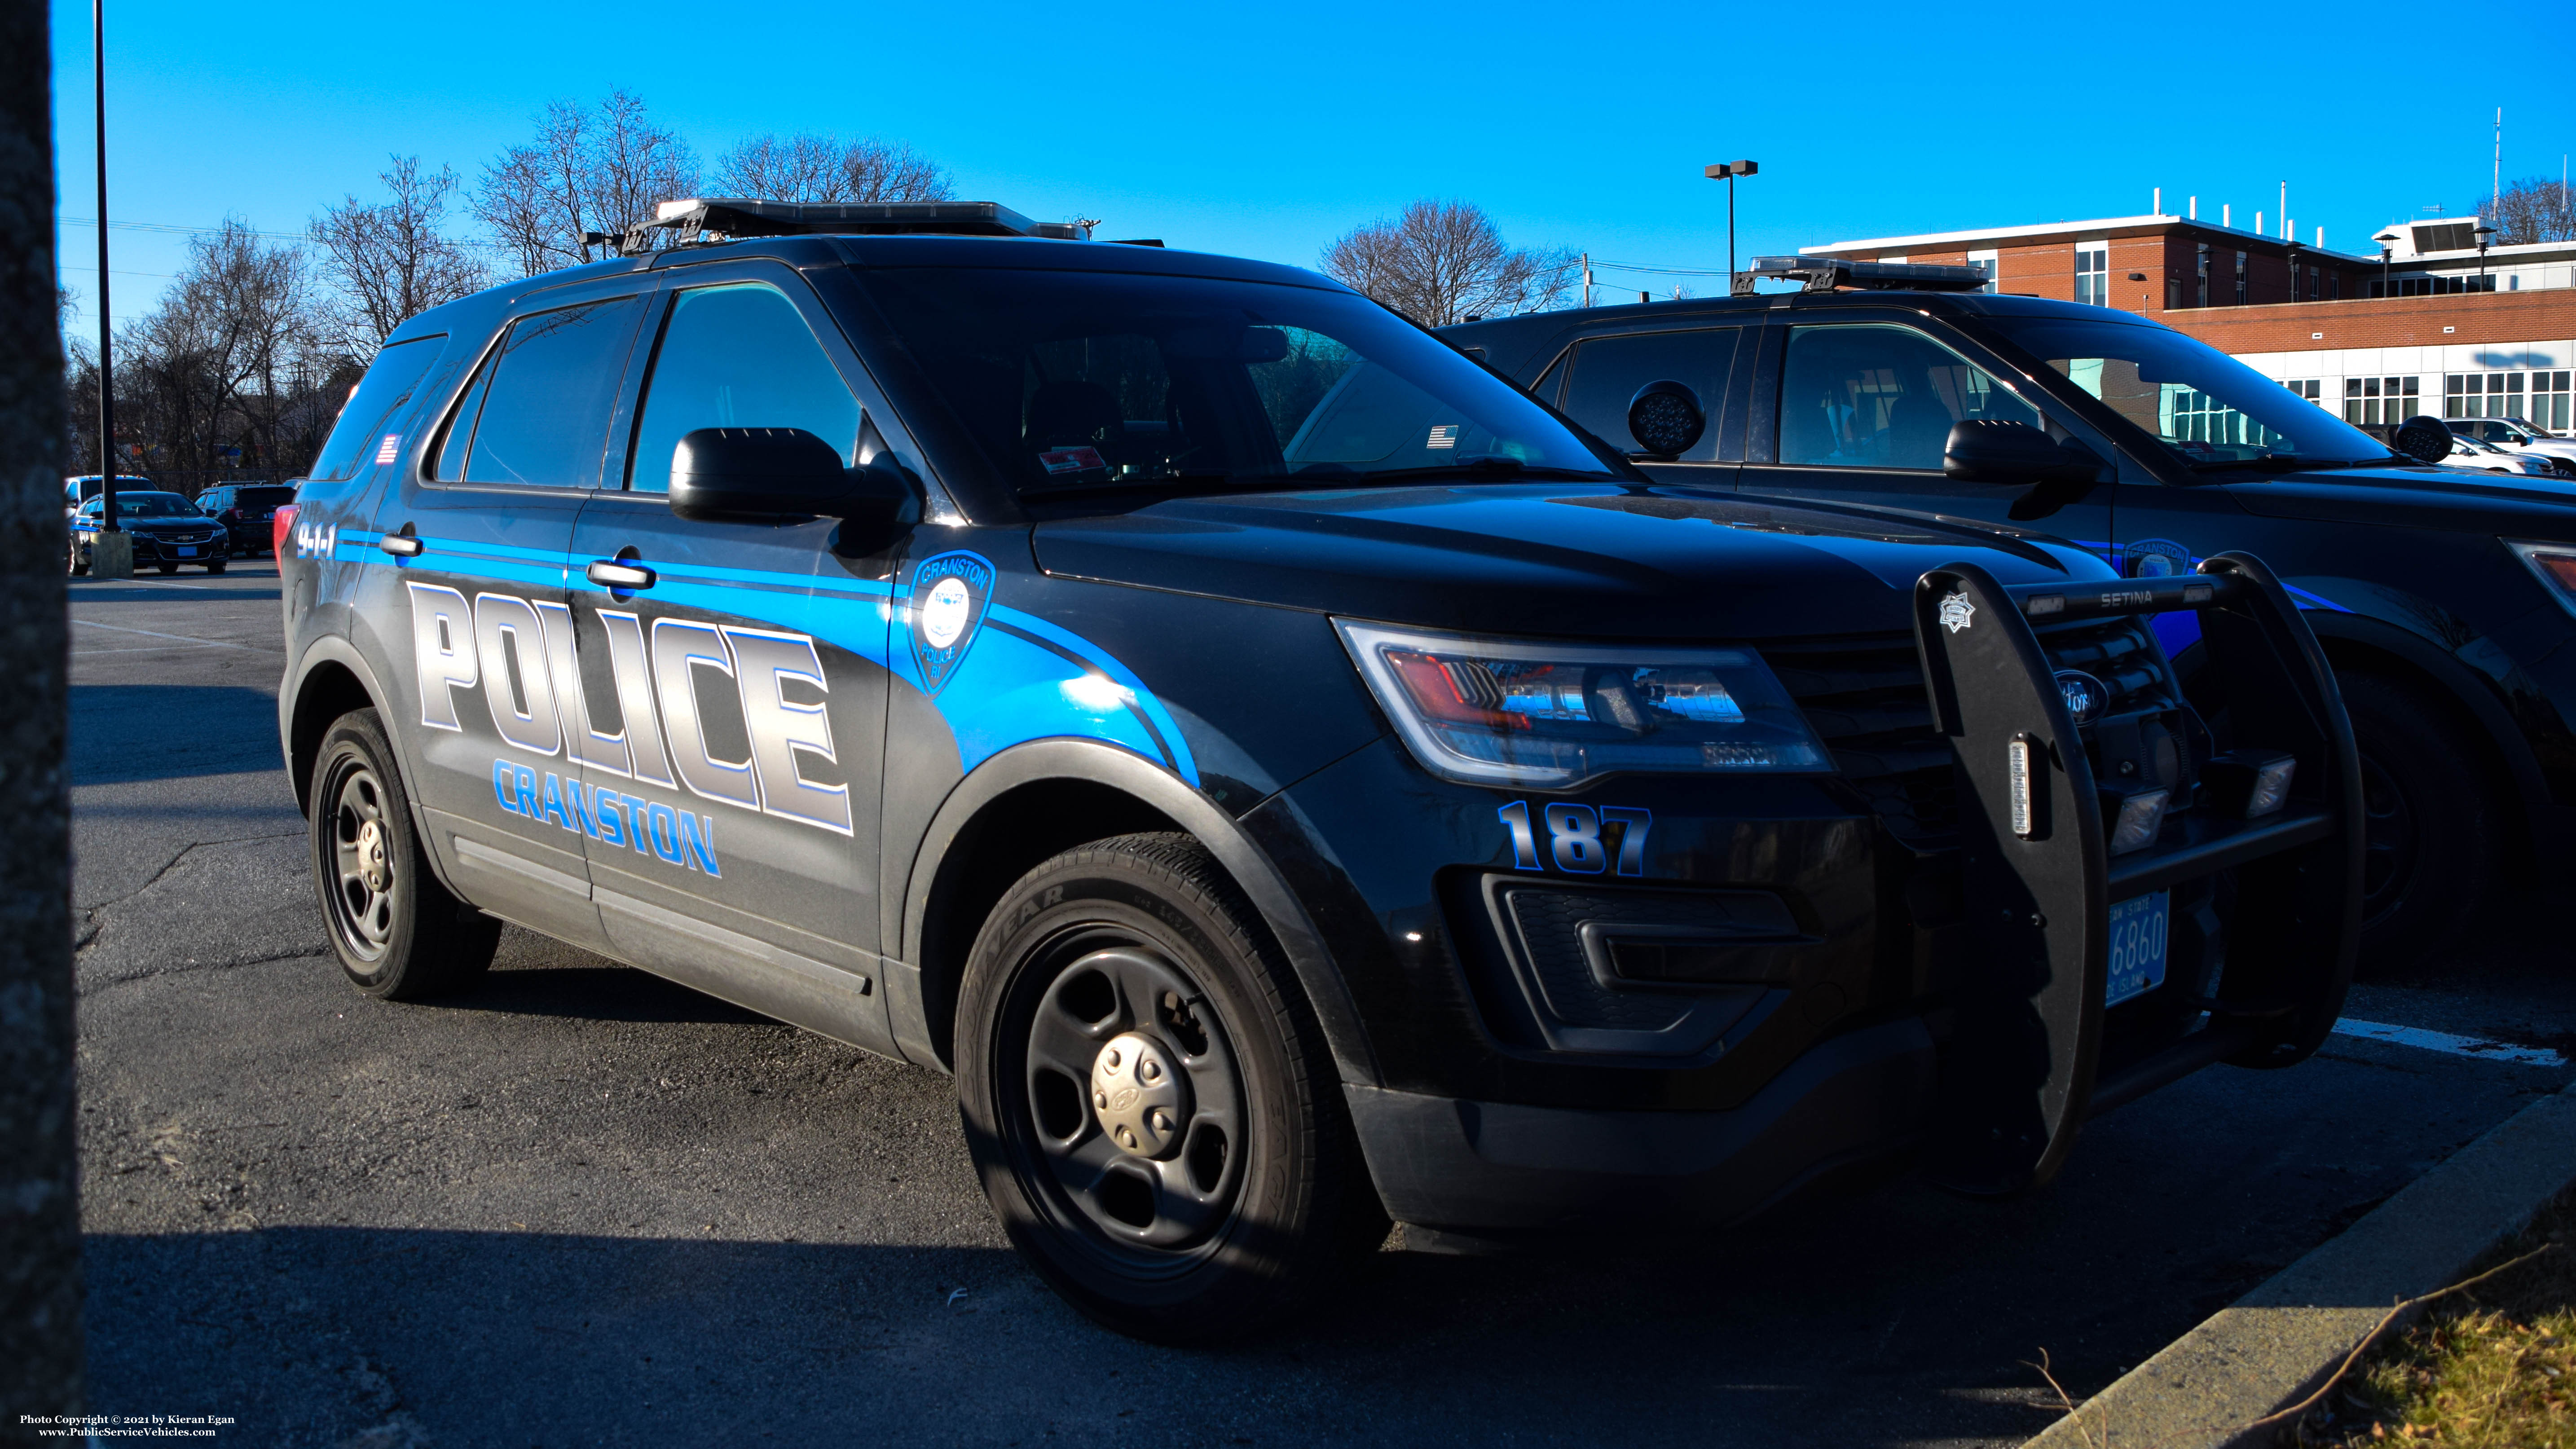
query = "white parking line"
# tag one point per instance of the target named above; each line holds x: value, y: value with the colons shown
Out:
x: 183, y: 638
x: 2443, y: 1041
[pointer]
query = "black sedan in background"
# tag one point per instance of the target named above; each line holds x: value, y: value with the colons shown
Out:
x: 2446, y: 600
x: 169, y: 533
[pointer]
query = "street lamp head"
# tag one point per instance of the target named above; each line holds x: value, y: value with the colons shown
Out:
x: 1723, y: 170
x: 2386, y: 237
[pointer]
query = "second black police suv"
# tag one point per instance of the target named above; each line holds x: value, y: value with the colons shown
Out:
x: 2446, y: 599
x: 1287, y: 776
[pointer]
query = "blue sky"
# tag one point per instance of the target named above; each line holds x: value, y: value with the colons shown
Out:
x: 1266, y: 131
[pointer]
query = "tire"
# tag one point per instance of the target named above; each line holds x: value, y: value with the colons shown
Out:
x: 167, y: 568
x: 77, y: 566
x: 2430, y: 817
x: 1217, y: 1215
x: 398, y: 933
x: 218, y: 567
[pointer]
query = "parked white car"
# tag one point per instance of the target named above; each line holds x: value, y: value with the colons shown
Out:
x: 2514, y: 435
x: 2468, y: 452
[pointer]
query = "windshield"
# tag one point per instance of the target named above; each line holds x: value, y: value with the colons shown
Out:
x: 1085, y: 380
x: 2206, y: 408
x: 145, y: 505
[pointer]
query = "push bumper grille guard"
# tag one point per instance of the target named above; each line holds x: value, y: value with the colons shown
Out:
x: 2018, y: 1074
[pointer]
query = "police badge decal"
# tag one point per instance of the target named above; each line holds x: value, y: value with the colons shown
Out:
x: 1956, y: 612
x: 949, y: 596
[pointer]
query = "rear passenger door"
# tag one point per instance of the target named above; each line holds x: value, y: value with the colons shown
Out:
x: 1861, y: 412
x: 1605, y: 374
x: 478, y: 620
x: 738, y: 699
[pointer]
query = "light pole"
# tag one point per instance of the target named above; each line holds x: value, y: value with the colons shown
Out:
x: 2293, y: 253
x: 2386, y: 239
x: 1727, y: 171
x: 2485, y: 235
x: 106, y: 379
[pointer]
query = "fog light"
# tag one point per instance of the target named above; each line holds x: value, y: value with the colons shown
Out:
x: 2250, y: 784
x: 2137, y: 819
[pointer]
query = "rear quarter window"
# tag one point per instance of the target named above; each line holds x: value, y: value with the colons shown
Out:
x: 389, y: 384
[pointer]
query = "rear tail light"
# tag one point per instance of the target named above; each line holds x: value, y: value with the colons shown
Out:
x: 280, y: 524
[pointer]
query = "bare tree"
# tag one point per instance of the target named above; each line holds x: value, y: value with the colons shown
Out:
x: 219, y: 362
x: 808, y: 167
x: 603, y: 169
x: 2534, y: 209
x: 392, y: 260
x: 1444, y: 261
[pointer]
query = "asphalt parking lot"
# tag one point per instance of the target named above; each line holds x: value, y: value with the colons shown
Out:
x: 584, y: 1206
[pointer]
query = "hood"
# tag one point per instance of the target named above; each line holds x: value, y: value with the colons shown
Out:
x: 1552, y: 559
x: 2459, y: 499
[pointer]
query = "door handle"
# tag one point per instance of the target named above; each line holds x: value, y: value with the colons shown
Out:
x: 609, y: 574
x: 401, y: 545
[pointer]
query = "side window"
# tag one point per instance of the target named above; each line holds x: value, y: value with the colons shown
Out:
x: 1881, y: 397
x: 1545, y: 388
x: 373, y: 403
x: 1608, y: 371
x: 738, y: 356
x: 537, y: 412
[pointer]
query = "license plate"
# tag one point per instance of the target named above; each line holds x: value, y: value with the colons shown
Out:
x: 2137, y: 938
x: 187, y: 550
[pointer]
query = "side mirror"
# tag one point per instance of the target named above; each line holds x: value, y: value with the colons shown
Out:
x: 2424, y: 439
x: 1666, y: 419
x: 1991, y: 450
x: 775, y: 472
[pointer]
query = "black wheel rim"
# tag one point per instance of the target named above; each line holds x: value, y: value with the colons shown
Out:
x: 2391, y: 843
x: 1144, y: 1197
x: 358, y: 861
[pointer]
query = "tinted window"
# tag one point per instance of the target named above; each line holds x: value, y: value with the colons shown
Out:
x: 145, y: 505
x: 356, y: 438
x: 738, y: 356
x: 1608, y: 371
x: 1882, y: 397
x: 258, y: 498
x: 538, y: 411
x: 1091, y: 379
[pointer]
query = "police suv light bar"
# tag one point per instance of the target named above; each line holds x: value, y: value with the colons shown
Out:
x: 736, y: 217
x: 1833, y: 274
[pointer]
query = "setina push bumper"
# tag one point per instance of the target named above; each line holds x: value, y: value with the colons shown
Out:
x: 2137, y: 886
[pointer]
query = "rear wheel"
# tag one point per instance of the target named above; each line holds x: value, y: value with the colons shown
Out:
x: 1149, y: 1099
x: 396, y: 930
x: 2430, y: 818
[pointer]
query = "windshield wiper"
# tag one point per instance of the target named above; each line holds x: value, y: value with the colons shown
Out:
x: 2286, y: 463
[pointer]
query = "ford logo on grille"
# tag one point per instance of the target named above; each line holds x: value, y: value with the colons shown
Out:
x: 2086, y: 697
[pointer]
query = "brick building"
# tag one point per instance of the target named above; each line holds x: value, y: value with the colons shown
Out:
x: 2433, y: 327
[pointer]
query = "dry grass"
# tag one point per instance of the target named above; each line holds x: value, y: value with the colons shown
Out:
x: 2493, y: 1367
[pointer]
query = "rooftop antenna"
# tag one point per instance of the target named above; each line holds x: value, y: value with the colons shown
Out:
x: 2495, y: 192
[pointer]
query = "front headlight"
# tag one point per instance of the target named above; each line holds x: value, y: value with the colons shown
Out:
x: 2554, y: 563
x: 1540, y: 713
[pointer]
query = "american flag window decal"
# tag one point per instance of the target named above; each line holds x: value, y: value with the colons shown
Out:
x: 1443, y: 436
x: 390, y: 448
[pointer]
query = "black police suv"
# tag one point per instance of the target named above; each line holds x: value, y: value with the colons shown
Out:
x: 247, y: 512
x: 2445, y: 600
x: 1286, y: 775
x: 168, y: 531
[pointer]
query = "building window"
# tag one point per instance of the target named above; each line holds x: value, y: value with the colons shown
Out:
x: 2240, y: 279
x: 2376, y: 400
x: 2093, y: 273
x: 2204, y: 275
x: 2311, y: 388
x: 2482, y: 395
x: 2438, y: 286
x: 1992, y: 265
x: 2549, y: 399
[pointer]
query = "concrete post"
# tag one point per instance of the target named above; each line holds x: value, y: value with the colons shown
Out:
x: 40, y: 1279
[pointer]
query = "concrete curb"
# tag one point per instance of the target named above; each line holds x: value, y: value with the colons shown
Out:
x: 2273, y: 1347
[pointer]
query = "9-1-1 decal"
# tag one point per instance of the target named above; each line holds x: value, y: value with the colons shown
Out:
x: 1575, y: 837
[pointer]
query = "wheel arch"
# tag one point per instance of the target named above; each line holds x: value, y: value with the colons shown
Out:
x: 1037, y: 799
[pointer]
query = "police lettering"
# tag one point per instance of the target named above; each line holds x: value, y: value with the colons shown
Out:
x: 523, y: 657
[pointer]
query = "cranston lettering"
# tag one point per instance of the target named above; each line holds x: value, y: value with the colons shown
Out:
x: 678, y: 837
x: 523, y: 656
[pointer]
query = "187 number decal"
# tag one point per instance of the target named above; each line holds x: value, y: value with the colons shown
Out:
x: 1576, y: 837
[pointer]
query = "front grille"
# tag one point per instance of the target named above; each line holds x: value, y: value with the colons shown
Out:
x: 1865, y: 697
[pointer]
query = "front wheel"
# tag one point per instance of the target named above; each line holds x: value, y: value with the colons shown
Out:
x: 217, y: 567
x: 396, y: 930
x: 2429, y: 822
x: 1149, y: 1099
